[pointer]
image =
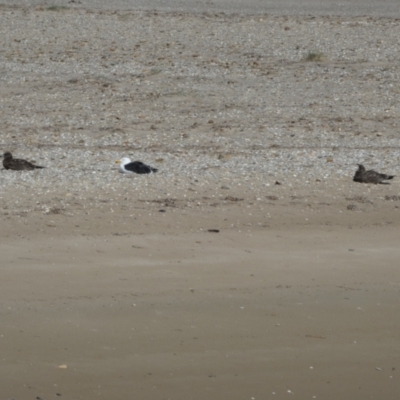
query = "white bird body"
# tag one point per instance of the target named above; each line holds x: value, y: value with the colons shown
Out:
x: 127, y: 166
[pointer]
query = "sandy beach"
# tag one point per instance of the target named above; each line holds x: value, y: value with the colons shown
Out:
x: 250, y: 266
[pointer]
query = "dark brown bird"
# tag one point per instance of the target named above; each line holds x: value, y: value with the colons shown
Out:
x: 370, y: 176
x: 17, y: 164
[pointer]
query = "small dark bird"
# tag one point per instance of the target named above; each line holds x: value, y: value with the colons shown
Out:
x: 127, y: 166
x: 17, y: 164
x: 370, y: 176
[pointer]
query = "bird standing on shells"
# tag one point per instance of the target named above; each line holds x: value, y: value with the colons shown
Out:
x: 370, y: 176
x: 127, y: 166
x: 17, y: 164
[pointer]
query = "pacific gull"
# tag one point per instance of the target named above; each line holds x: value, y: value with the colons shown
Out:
x: 127, y: 166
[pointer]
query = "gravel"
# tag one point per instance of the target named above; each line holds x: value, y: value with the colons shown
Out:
x: 211, y: 100
x: 381, y: 8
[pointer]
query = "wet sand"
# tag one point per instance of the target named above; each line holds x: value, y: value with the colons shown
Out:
x: 309, y: 312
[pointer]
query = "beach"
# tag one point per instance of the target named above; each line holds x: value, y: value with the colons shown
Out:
x: 250, y: 266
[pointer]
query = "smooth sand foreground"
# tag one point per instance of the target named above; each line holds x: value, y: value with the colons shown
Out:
x: 302, y: 313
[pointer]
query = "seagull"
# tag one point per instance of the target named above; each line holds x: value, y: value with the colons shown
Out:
x: 17, y: 164
x: 127, y: 166
x: 370, y: 176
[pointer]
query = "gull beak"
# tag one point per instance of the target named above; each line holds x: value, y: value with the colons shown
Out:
x: 118, y: 162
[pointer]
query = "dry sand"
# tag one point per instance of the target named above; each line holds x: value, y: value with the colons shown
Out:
x: 207, y: 281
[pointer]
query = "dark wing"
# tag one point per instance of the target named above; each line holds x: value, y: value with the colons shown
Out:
x: 372, y: 176
x: 140, y: 168
x: 384, y: 177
